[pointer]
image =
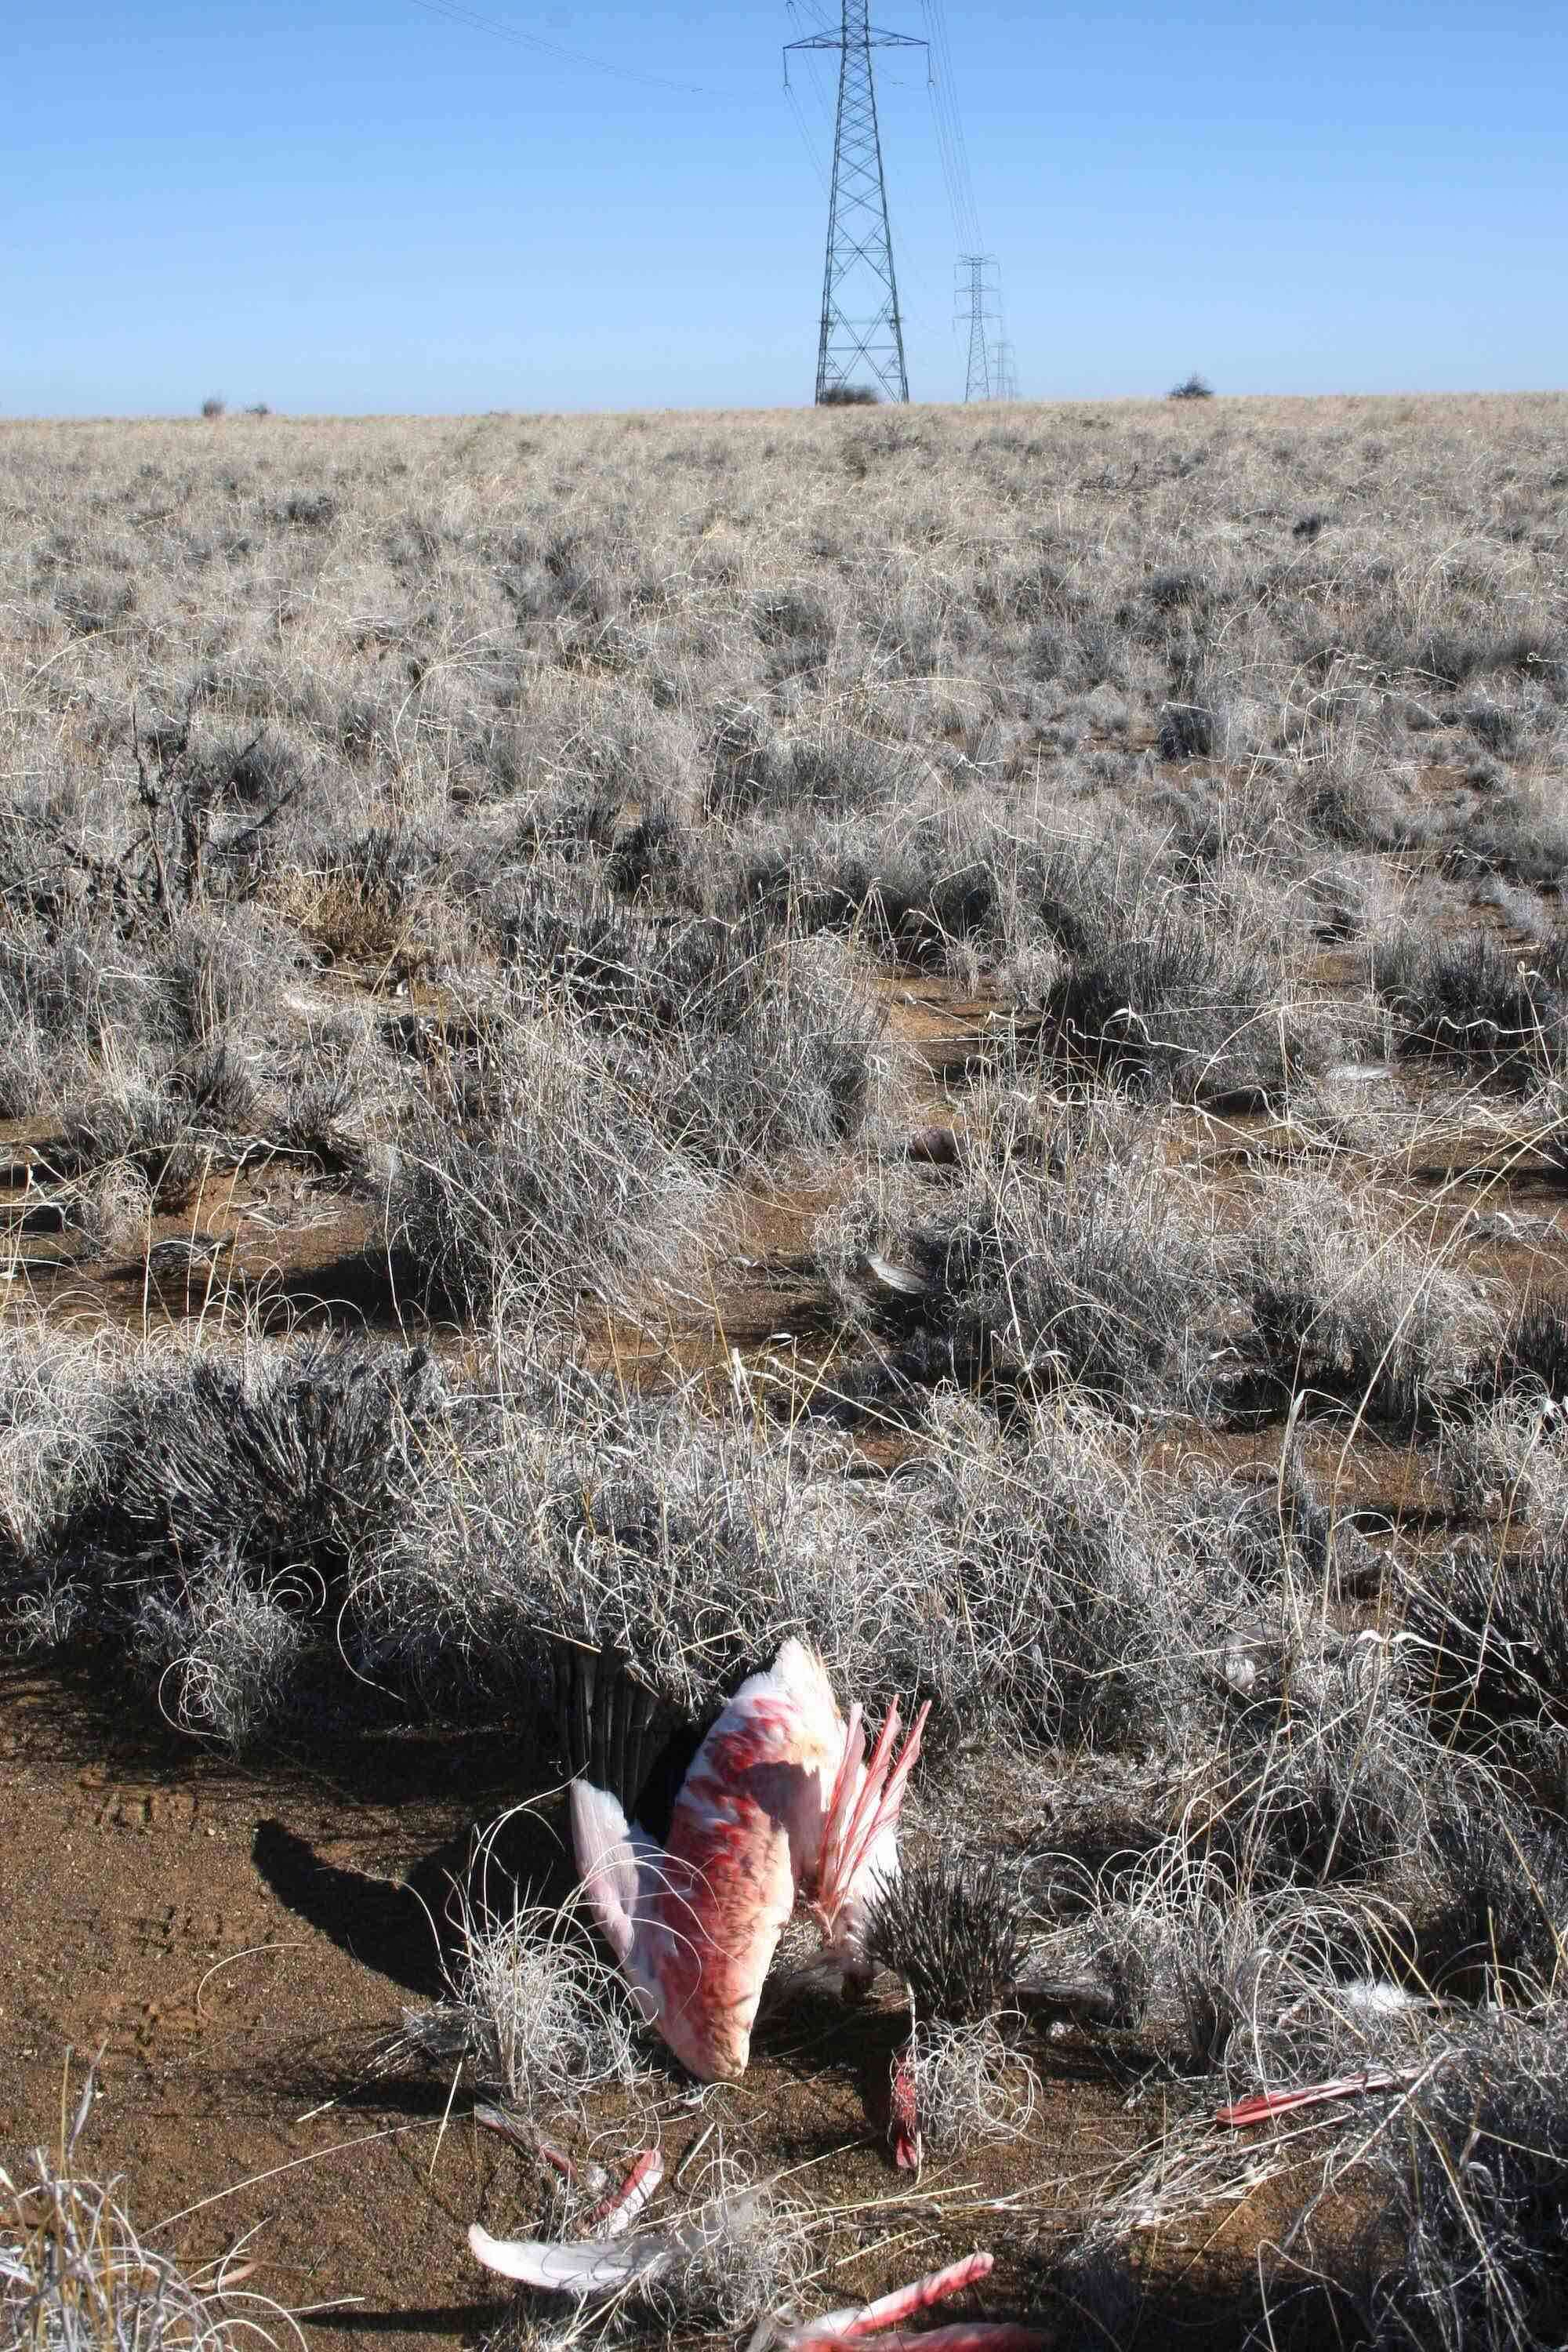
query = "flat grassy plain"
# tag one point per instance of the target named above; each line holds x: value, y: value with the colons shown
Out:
x: 945, y: 1030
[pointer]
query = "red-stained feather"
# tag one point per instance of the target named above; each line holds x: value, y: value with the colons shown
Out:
x: 1261, y: 2105
x: 836, y: 2328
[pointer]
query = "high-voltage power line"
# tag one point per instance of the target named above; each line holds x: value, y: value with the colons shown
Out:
x: 990, y: 374
x: 978, y: 307
x: 861, y: 329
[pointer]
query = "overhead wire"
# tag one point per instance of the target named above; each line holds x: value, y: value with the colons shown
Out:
x: 951, y: 142
x: 810, y: 17
x: 453, y: 11
x: 953, y: 147
x: 949, y: 169
x: 799, y: 18
x: 801, y: 124
x: 948, y: 159
x: 936, y: 12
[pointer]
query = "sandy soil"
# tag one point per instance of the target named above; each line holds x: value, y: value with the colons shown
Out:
x: 236, y: 1945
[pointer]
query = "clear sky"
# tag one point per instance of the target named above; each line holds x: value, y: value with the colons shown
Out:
x: 372, y: 204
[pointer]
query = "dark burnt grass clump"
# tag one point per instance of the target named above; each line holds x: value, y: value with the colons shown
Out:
x: 1498, y: 1879
x: 1182, y: 1011
x: 1533, y: 1351
x: 614, y: 966
x: 950, y: 1928
x: 1474, y: 2168
x: 1476, y: 999
x: 745, y: 1048
x: 1491, y: 1623
x: 214, y: 1547
x: 294, y: 1460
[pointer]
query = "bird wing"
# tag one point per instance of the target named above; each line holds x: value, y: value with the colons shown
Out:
x: 622, y: 1870
x: 859, y: 1845
x: 614, y: 1730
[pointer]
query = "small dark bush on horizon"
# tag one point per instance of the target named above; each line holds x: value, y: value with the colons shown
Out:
x: 850, y: 395
x: 215, y: 405
x: 1192, y: 387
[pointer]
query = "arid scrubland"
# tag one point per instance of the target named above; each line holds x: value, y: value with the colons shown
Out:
x: 942, y: 1030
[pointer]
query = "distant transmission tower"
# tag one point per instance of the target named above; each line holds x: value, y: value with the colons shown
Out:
x: 979, y: 296
x: 861, y: 329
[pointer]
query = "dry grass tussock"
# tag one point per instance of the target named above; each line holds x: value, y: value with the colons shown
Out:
x: 76, y: 2275
x: 533, y: 2007
x: 1083, y: 885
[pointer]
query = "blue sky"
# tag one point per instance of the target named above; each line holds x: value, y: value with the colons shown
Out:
x: 351, y: 205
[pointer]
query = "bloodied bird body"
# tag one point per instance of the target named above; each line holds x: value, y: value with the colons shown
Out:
x: 780, y: 1802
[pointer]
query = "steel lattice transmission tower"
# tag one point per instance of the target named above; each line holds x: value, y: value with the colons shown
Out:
x: 860, y: 324
x: 978, y: 308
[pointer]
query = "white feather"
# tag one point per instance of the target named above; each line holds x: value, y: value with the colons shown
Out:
x: 621, y: 1868
x: 590, y: 2266
x: 606, y: 1864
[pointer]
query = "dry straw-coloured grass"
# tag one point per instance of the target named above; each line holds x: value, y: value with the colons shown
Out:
x: 570, y: 845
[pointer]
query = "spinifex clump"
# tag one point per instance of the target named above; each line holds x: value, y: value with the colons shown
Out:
x: 950, y: 1928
